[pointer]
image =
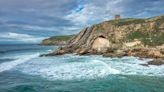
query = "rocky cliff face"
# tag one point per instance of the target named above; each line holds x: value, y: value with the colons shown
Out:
x: 114, y: 34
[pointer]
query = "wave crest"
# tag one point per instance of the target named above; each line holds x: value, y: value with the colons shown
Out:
x: 9, y: 65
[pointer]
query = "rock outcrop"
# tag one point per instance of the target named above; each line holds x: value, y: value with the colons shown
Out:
x: 117, y: 38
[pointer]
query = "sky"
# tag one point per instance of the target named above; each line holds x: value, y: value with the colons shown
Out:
x: 30, y: 21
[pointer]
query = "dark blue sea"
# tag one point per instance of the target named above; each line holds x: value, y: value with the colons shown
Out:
x: 22, y: 70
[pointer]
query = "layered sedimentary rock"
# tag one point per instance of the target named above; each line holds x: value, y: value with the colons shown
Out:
x: 124, y: 37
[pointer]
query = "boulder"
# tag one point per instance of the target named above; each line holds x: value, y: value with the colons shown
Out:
x: 156, y: 62
x: 116, y: 53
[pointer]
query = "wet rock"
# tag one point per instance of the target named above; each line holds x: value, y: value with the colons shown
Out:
x: 156, y: 62
x: 117, y: 53
x: 82, y: 51
x: 145, y: 65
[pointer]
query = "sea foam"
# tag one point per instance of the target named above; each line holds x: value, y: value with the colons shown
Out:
x: 70, y: 67
x: 9, y: 65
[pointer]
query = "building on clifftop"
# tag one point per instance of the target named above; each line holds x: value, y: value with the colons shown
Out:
x: 117, y: 17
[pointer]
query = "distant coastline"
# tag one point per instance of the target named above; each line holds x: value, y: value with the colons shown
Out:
x: 57, y: 40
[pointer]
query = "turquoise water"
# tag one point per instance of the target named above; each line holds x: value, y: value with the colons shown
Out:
x: 22, y: 70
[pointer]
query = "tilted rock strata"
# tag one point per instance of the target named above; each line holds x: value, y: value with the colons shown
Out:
x: 109, y: 37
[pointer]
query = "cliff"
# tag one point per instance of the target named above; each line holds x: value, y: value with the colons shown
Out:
x: 57, y: 40
x: 124, y: 37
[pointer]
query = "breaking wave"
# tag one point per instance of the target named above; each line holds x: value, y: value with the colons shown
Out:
x: 9, y: 65
x: 69, y: 67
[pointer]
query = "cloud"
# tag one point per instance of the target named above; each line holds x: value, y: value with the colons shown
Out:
x: 95, y: 11
x: 17, y: 37
x: 66, y: 30
x: 31, y: 27
x: 144, y: 8
x: 60, y: 17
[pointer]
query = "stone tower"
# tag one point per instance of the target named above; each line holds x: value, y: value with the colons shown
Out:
x: 117, y: 17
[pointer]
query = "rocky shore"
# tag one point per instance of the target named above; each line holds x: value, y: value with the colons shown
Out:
x: 142, y: 38
x: 157, y: 55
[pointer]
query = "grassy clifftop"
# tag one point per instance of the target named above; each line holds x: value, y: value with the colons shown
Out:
x: 61, y: 38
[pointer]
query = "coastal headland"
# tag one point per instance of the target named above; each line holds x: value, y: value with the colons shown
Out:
x: 142, y: 38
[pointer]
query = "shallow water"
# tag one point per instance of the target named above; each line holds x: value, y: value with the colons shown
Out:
x: 24, y: 71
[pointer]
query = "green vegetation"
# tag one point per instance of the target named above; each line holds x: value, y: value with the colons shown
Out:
x: 148, y: 38
x: 160, y: 20
x: 100, y: 28
x: 127, y: 21
x: 61, y: 38
x: 57, y: 40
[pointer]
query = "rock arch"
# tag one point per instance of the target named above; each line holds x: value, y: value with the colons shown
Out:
x: 101, y: 44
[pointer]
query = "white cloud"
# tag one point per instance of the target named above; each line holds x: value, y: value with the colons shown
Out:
x: 31, y: 27
x: 10, y: 36
x: 93, y: 12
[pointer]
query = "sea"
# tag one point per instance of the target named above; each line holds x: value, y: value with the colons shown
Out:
x: 23, y: 70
